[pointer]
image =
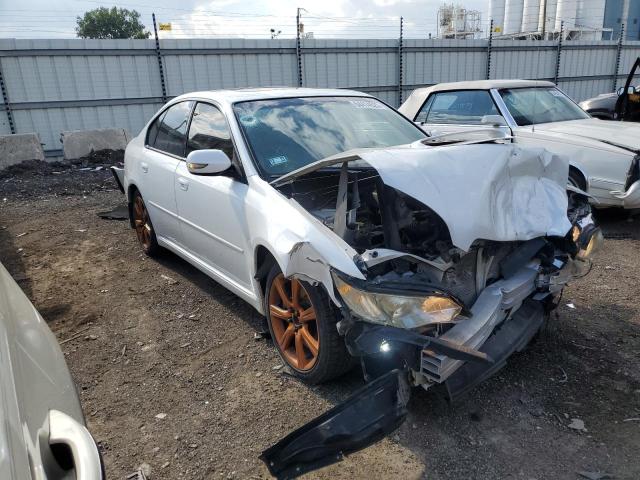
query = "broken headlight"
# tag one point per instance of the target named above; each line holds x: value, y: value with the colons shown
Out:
x: 402, y: 311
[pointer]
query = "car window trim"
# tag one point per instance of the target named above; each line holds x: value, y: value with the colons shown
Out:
x: 433, y: 94
x: 162, y: 113
x: 252, y: 156
x: 429, y: 97
x: 226, y: 121
x: 238, y: 163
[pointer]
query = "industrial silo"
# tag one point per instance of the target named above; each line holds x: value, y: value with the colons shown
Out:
x: 548, y: 16
x: 530, y: 16
x: 590, y: 14
x: 566, y: 12
x: 496, y: 13
x: 513, y: 16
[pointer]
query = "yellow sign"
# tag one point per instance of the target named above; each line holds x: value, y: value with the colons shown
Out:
x: 165, y: 26
x: 495, y: 30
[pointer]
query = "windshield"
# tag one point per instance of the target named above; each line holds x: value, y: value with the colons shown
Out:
x: 287, y: 134
x: 530, y: 106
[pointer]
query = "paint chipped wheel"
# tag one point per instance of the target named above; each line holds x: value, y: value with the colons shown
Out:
x: 143, y: 226
x: 302, y: 323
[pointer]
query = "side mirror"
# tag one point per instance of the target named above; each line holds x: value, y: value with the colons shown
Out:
x: 207, y: 162
x: 494, y: 120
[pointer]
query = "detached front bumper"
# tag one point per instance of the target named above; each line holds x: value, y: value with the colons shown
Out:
x: 631, y: 197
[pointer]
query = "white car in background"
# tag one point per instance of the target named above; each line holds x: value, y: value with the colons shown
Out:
x: 328, y: 213
x: 604, y: 155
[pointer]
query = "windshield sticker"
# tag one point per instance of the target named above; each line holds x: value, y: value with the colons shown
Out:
x: 556, y: 93
x: 370, y: 104
x: 273, y: 161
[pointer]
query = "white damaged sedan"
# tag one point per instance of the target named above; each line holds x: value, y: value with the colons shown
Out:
x: 331, y: 214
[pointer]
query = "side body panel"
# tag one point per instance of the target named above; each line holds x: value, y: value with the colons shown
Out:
x: 213, y: 222
x: 35, y: 379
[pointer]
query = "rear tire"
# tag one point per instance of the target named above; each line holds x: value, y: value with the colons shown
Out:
x: 143, y: 226
x: 302, y: 324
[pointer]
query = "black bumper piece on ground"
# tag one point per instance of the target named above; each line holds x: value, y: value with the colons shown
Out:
x: 512, y: 336
x: 366, y: 417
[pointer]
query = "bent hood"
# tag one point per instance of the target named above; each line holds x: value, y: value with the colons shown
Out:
x: 487, y: 191
x: 622, y: 134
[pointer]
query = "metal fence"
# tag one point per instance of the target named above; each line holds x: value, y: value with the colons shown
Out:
x: 50, y: 86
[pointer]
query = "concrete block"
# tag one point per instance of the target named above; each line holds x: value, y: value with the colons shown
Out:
x: 83, y: 144
x: 18, y: 148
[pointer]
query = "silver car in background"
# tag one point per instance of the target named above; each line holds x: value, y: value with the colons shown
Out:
x: 42, y: 428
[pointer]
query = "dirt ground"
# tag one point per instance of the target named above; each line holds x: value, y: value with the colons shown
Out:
x: 170, y: 374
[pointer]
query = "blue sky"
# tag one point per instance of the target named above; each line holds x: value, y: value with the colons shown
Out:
x: 233, y: 18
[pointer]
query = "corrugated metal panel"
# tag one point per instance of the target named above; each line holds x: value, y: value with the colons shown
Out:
x: 121, y: 77
x: 581, y: 90
x: 50, y: 122
x: 434, y: 64
x: 588, y: 62
x: 187, y: 73
x: 350, y: 70
x: 4, y: 123
x: 537, y: 62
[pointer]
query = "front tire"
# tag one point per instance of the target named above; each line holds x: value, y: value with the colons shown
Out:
x: 302, y: 324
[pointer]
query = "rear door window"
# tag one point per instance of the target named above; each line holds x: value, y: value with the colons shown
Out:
x: 169, y: 132
x: 464, y: 107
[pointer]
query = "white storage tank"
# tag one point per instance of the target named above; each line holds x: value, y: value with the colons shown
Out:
x: 567, y: 11
x: 530, y: 16
x: 513, y: 16
x: 552, y: 6
x: 591, y: 14
x: 496, y: 13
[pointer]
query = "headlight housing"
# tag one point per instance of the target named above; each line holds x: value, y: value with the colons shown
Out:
x: 402, y: 311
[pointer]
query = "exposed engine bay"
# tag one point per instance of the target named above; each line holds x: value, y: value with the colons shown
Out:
x: 441, y: 278
x: 453, y: 280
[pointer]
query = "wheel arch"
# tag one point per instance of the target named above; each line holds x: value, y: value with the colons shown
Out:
x: 131, y: 190
x: 580, y: 172
x: 263, y: 259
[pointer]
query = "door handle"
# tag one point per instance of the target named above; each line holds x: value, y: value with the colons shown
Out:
x: 144, y: 166
x: 66, y: 430
x: 184, y: 183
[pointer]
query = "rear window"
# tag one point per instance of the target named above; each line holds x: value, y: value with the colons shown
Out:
x: 464, y: 107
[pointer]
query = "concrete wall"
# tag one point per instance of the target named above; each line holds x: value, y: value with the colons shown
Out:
x: 65, y: 85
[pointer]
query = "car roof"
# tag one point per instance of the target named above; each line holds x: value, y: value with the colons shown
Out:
x: 247, y: 94
x: 417, y: 97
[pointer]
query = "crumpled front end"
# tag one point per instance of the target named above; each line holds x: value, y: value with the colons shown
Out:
x: 470, y: 246
x: 459, y: 261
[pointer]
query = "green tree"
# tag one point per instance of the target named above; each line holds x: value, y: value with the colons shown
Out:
x: 110, y: 23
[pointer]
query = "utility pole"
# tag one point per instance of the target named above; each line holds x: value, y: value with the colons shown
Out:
x: 159, y: 56
x: 544, y: 19
x: 298, y: 47
x: 400, y: 54
x: 489, y: 45
x: 559, y: 53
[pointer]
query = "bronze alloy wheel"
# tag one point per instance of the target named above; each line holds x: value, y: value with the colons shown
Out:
x: 294, y: 323
x: 142, y: 223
